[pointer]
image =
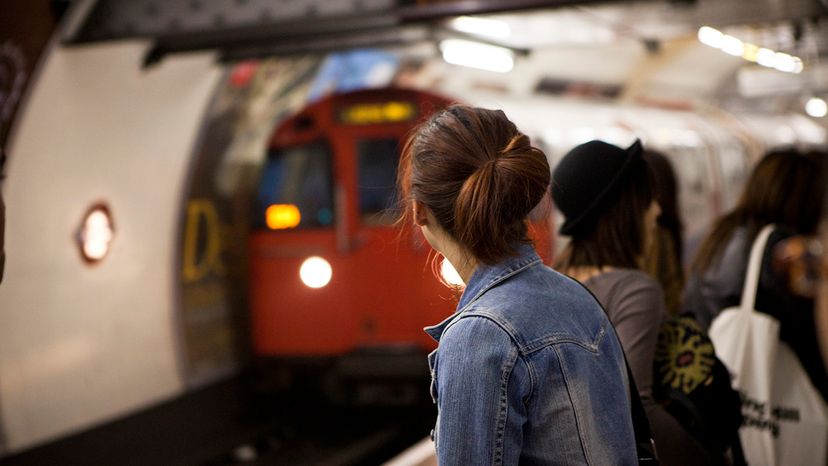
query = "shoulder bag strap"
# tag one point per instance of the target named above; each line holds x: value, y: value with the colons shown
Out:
x: 644, y: 444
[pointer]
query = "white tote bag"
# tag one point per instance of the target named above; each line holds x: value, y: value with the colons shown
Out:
x: 785, y: 419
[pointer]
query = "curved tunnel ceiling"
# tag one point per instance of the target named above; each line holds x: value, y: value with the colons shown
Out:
x: 646, y: 48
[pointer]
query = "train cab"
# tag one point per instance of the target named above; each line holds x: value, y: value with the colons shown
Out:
x: 333, y: 276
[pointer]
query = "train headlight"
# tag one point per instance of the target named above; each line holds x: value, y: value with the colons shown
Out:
x: 315, y: 272
x: 95, y: 233
x: 449, y: 274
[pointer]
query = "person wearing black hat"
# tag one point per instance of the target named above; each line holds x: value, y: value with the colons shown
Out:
x: 607, y: 198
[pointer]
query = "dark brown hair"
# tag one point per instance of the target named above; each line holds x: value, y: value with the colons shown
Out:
x: 614, y: 237
x: 478, y: 175
x: 666, y: 194
x: 785, y: 188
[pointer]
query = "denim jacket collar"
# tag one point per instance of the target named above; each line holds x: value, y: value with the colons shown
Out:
x: 483, y: 279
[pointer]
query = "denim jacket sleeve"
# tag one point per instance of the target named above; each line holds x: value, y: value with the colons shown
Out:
x: 475, y: 362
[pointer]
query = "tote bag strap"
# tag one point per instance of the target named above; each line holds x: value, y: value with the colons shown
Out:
x: 748, y: 304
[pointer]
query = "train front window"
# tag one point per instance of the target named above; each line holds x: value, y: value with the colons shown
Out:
x: 377, y: 161
x: 296, y: 189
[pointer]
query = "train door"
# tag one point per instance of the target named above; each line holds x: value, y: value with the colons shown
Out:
x: 393, y: 290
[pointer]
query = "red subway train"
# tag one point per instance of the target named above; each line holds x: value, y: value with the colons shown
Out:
x: 337, y: 286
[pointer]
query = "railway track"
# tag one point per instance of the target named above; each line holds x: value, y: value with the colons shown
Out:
x: 328, y: 436
x: 225, y: 424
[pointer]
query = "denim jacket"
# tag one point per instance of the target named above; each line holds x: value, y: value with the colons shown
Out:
x: 529, y: 371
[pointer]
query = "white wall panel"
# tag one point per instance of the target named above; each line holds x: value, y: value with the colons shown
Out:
x: 81, y: 344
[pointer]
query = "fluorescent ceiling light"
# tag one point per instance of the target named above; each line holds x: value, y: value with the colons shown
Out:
x: 798, y: 65
x: 766, y: 57
x: 477, y: 55
x: 785, y: 62
x: 732, y: 46
x: 482, y: 26
x: 750, y: 52
x: 709, y: 36
x: 816, y: 107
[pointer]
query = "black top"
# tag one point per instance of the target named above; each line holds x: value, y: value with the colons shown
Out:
x: 721, y: 287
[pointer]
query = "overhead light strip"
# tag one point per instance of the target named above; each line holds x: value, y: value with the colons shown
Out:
x: 486, y: 27
x: 477, y: 55
x: 750, y: 52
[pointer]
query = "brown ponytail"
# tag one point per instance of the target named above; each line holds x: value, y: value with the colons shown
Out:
x: 785, y: 188
x: 479, y: 176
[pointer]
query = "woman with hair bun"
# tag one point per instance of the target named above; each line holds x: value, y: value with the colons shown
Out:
x: 528, y: 370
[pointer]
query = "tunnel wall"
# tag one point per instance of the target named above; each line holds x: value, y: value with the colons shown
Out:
x: 81, y: 344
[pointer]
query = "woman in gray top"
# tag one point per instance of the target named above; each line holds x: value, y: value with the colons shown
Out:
x: 607, y: 198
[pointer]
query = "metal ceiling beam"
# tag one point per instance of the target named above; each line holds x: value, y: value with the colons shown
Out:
x: 250, y: 28
x: 121, y: 19
x: 429, y: 11
x: 246, y: 28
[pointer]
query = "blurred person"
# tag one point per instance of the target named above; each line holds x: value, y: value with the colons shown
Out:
x: 784, y: 189
x: 606, y: 195
x: 801, y: 262
x: 528, y: 370
x: 821, y: 306
x: 663, y: 258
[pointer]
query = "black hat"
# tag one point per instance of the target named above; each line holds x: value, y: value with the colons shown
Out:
x: 586, y: 176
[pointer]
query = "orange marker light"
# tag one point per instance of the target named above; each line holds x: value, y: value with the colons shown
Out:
x: 282, y: 216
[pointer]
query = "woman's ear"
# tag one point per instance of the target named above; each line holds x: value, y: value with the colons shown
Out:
x: 420, y: 214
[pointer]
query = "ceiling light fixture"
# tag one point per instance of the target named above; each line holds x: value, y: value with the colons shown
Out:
x: 477, y: 55
x: 750, y: 52
x: 816, y: 107
x: 486, y: 27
